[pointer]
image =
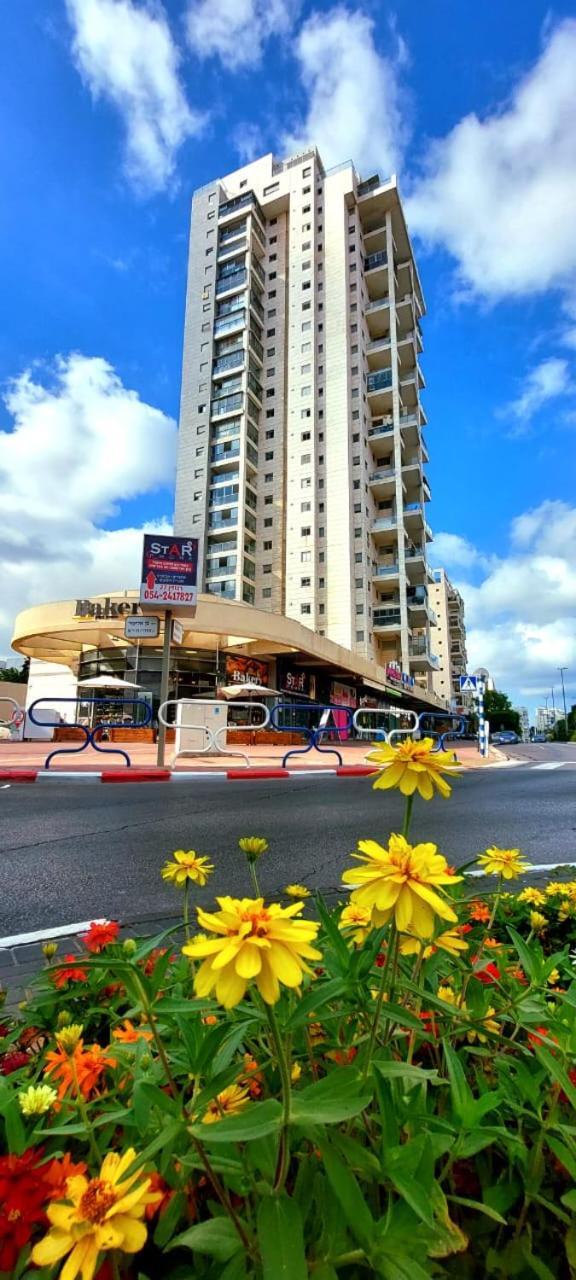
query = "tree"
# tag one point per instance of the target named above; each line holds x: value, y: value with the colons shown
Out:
x: 499, y: 712
x: 18, y: 675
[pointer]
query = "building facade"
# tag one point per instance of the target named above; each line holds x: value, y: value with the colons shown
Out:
x: 448, y: 637
x: 301, y: 451
x: 547, y: 718
x: 524, y: 723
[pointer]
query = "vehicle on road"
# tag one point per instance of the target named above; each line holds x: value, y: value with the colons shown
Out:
x: 506, y: 738
x: 539, y: 737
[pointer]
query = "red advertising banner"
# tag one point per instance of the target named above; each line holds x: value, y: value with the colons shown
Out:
x: 241, y: 669
x: 169, y: 571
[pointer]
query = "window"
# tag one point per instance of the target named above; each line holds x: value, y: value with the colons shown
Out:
x: 305, y: 348
x: 306, y: 246
x: 355, y: 415
x: 321, y: 608
x: 358, y: 557
x: 306, y: 173
x: 270, y: 351
x: 321, y: 558
x: 272, y: 276
x: 200, y: 451
x: 357, y: 533
x: 305, y: 506
x: 305, y: 435
x: 197, y: 495
x: 266, y: 568
x: 306, y: 265
x: 320, y: 347
x: 268, y: 500
x: 321, y: 531
x: 272, y: 313
x: 268, y: 477
x: 269, y: 191
x: 321, y: 582
x: 272, y: 294
x: 356, y: 484
x: 305, y: 391
x: 305, y: 413
x: 305, y: 306
x: 306, y: 209
x: 357, y: 508
x: 269, y: 455
x: 269, y: 435
x: 305, y: 582
x: 356, y: 460
x: 266, y: 593
x: 307, y: 284
x: 268, y: 522
x: 306, y: 326
x: 305, y: 482
x: 270, y: 333
x: 304, y: 458
x: 273, y: 257
x: 320, y: 368
x: 359, y: 608
x: 359, y: 635
x: 271, y: 373
x: 305, y: 531
x: 305, y: 608
x: 267, y: 546
x: 201, y: 408
x: 305, y: 557
x: 359, y: 583
x: 306, y: 226
x: 269, y: 393
x: 305, y: 368
x: 270, y: 413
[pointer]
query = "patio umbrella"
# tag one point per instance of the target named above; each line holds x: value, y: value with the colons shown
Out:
x: 250, y: 688
x: 107, y: 682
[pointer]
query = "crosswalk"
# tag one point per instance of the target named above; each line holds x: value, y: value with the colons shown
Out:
x: 548, y: 765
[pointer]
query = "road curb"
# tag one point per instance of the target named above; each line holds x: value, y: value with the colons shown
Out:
x: 18, y: 776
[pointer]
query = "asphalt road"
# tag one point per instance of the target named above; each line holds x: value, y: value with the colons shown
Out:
x: 70, y: 852
x: 543, y: 752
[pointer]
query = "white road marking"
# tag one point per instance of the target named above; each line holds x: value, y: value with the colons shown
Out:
x: 43, y: 935
x: 554, y: 764
x: 5, y: 786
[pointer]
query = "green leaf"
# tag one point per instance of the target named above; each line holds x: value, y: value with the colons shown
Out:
x: 259, y: 1119
x: 563, y: 1154
x: 168, y: 1134
x: 462, y: 1099
x: 569, y: 1199
x: 339, y: 1096
x: 314, y: 1000
x: 414, y: 1194
x: 341, y: 952
x: 217, y: 1237
x: 400, y: 1267
x: 231, y: 1041
x: 348, y: 1193
x: 325, y: 1272
x: 526, y: 954
x: 145, y: 1099
x: 537, y: 1265
x: 479, y: 1207
x: 12, y: 1116
x: 281, y: 1239
x: 169, y: 1219
x: 557, y: 1071
x: 407, y: 1074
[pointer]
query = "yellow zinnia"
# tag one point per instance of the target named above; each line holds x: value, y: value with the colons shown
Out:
x: 412, y: 766
x: 507, y: 863
x: 534, y: 896
x: 356, y: 922
x: 227, y: 1103
x: 188, y: 865
x: 253, y: 943
x: 450, y: 941
x: 253, y: 846
x: 98, y: 1214
x: 297, y: 891
x: 36, y: 1100
x: 538, y: 922
x: 400, y: 882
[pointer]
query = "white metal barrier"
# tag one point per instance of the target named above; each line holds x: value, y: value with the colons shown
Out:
x: 212, y: 744
x: 388, y: 735
x: 15, y: 721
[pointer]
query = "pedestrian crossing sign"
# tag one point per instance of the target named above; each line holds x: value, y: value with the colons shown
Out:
x: 468, y: 684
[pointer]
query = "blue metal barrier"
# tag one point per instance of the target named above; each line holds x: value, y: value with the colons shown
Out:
x: 457, y: 732
x: 90, y: 740
x: 313, y: 736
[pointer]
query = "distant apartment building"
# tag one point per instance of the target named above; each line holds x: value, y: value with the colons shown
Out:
x: 301, y: 454
x: 547, y: 718
x: 524, y: 723
x: 448, y: 636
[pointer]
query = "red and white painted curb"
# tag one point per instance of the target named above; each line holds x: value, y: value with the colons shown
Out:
x: 131, y: 775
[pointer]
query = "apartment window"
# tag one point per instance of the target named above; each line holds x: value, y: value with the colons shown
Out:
x: 357, y: 533
x: 304, y: 458
x: 305, y: 557
x: 270, y: 413
x: 273, y: 257
x: 197, y: 495
x: 306, y: 246
x: 305, y: 413
x: 320, y: 347
x: 271, y: 373
x: 273, y: 239
x: 321, y: 582
x: 359, y: 583
x: 266, y: 593
x: 269, y: 477
x: 321, y: 508
x: 269, y: 393
x: 269, y: 191
x: 268, y: 522
x: 359, y: 635
x: 306, y: 173
x: 355, y: 392
x: 321, y: 608
x: 272, y: 313
x: 305, y: 531
x: 271, y: 351
x: 321, y: 558
x: 269, y: 435
x: 270, y: 333
x: 306, y: 209
x: 307, y: 285
x: 355, y: 415
x: 305, y: 368
x: 272, y: 276
x: 356, y: 460
x: 358, y: 557
x: 305, y: 306
x: 305, y: 391
x: 356, y: 484
x: 267, y: 546
x: 272, y: 294
x: 305, y: 348
x: 359, y: 608
x: 305, y: 435
x: 305, y: 582
x: 321, y: 531
x: 266, y: 568
x: 269, y: 455
x: 353, y: 328
x: 320, y: 368
x: 357, y: 508
x: 272, y: 222
x: 201, y: 408
x: 305, y: 608
x: 306, y: 265
x: 306, y: 226
x: 268, y: 500
x: 305, y: 506
x: 305, y: 482
x: 306, y: 326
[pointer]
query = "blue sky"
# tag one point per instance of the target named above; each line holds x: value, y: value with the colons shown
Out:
x: 115, y: 110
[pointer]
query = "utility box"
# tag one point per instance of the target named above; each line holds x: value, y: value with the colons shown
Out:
x: 192, y: 720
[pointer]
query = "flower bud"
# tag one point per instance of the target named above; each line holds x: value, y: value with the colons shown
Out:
x: 253, y: 846
x: 68, y: 1037
x: 129, y: 946
x: 64, y: 1018
x: 49, y: 950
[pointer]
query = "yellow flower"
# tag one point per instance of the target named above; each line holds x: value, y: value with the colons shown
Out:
x: 253, y: 846
x: 553, y: 977
x: 67, y: 1037
x: 296, y: 1072
x: 489, y: 1023
x: 253, y: 943
x: 411, y: 766
x: 297, y: 891
x: 357, y: 921
x: 400, y: 881
x: 36, y: 1100
x: 451, y: 941
x: 565, y: 909
x: 49, y: 950
x: 552, y: 890
x: 228, y: 1103
x: 534, y: 896
x: 507, y: 863
x: 538, y: 922
x: 98, y: 1214
x: 448, y: 995
x: 188, y: 865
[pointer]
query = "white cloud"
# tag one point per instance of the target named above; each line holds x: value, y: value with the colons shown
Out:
x: 547, y: 381
x: 125, y: 53
x: 80, y: 444
x: 521, y: 616
x: 452, y: 550
x: 498, y: 192
x: 353, y: 109
x: 235, y: 31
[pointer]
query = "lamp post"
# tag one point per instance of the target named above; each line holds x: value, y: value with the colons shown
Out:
x: 562, y: 670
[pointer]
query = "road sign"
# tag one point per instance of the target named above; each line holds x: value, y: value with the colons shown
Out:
x: 169, y: 571
x: 137, y: 628
x: 177, y: 632
x: 468, y: 684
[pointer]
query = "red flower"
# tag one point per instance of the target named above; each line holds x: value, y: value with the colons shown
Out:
x: 380, y: 960
x: 479, y: 911
x: 463, y: 928
x: 12, y: 1061
x: 488, y: 973
x: 22, y: 1197
x: 539, y: 1036
x: 343, y: 1057
x: 428, y: 1021
x: 157, y: 1183
x: 57, y: 1172
x: 101, y: 935
x: 71, y: 972
x: 152, y: 960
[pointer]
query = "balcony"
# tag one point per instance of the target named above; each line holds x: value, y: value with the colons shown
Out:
x: 254, y: 386
x: 386, y: 620
x: 236, y: 319
x: 214, y: 548
x: 385, y: 529
x: 228, y: 234
x: 381, y: 435
x: 413, y: 514
x: 370, y: 184
x: 374, y: 260
x: 226, y: 591
x: 382, y: 482
x: 217, y: 522
x: 421, y: 659
x: 378, y: 317
x: 232, y: 361
x: 228, y: 404
x: 256, y: 346
x: 256, y: 304
x: 385, y: 572
x: 219, y: 452
x: 380, y: 381
x: 221, y: 571
x: 258, y: 272
x: 227, y: 250
x: 234, y: 280
x: 238, y: 202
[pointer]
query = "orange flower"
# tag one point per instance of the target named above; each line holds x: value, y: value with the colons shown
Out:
x: 71, y: 972
x: 166, y: 1194
x: 492, y: 942
x: 152, y: 960
x: 100, y: 934
x: 210, y: 1020
x: 251, y: 1076
x: 81, y: 1069
x: 480, y: 912
x: 516, y: 972
x: 57, y: 1172
x: 129, y: 1034
x: 343, y: 1057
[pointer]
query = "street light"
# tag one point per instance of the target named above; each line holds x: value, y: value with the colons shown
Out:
x: 562, y: 670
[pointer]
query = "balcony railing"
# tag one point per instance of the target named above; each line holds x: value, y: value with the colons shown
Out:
x: 227, y: 405
x: 223, y: 496
x: 380, y: 381
x: 385, y: 473
x: 238, y: 202
x: 255, y: 302
x: 384, y: 522
x: 232, y: 321
x: 379, y: 302
x: 225, y: 430
x: 232, y: 361
x: 375, y: 260
x: 225, y: 547
x: 219, y: 453
x: 381, y: 429
x: 418, y: 647
x: 412, y: 508
x: 223, y: 522
x: 417, y: 596
x: 233, y: 246
x: 379, y: 343
x: 227, y: 387
x: 221, y: 571
x: 386, y: 617
x: 256, y: 345
x: 258, y: 272
x: 231, y: 233
x: 255, y: 386
x: 414, y: 553
x: 386, y: 571
x: 229, y: 592
x: 371, y: 184
x: 234, y: 280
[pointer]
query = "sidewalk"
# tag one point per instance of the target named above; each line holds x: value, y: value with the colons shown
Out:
x: 32, y: 755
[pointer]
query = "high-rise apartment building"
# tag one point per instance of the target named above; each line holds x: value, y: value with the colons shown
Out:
x: 301, y: 455
x: 524, y: 723
x: 448, y: 637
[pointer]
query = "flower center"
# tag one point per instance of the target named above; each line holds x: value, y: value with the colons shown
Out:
x: 98, y: 1198
x: 258, y: 924
x: 14, y: 1215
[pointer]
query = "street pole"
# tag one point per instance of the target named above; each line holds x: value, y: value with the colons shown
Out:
x: 562, y: 670
x: 164, y: 679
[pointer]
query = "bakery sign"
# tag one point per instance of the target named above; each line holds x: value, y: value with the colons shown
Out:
x: 241, y: 669
x: 107, y: 607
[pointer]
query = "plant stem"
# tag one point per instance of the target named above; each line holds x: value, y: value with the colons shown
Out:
x: 220, y: 1193
x: 408, y: 816
x: 483, y: 942
x: 415, y: 976
x: 284, y: 1068
x: 186, y: 913
x: 151, y: 1020
x: 380, y: 1000
x: 254, y: 876
x: 84, y: 1114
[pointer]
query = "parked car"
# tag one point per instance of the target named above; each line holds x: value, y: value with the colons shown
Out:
x: 539, y: 737
x: 506, y: 738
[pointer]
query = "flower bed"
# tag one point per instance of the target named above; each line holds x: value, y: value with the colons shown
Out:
x: 384, y: 1089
